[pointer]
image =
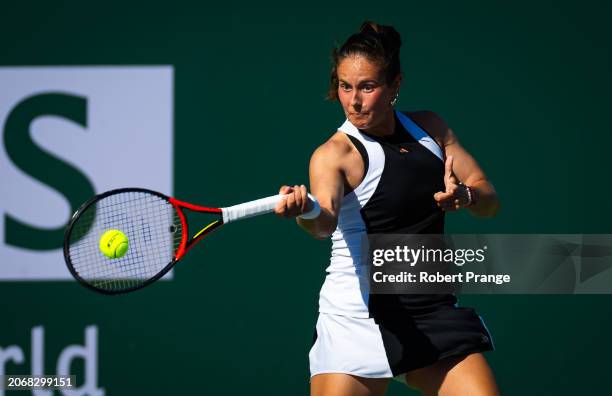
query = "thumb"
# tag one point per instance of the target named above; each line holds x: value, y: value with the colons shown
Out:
x: 448, y: 167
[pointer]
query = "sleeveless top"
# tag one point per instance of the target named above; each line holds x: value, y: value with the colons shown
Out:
x: 402, y: 173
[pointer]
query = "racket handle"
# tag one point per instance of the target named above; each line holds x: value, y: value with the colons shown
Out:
x: 256, y: 208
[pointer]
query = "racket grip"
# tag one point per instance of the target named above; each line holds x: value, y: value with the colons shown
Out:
x: 255, y: 208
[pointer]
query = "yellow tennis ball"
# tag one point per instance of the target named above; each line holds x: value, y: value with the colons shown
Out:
x: 114, y: 244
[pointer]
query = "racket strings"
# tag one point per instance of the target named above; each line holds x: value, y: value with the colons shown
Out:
x: 208, y: 228
x: 154, y: 233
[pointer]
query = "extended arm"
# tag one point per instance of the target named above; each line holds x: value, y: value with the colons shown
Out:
x: 327, y: 185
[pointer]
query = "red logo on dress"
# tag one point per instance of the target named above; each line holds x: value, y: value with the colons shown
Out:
x: 403, y: 150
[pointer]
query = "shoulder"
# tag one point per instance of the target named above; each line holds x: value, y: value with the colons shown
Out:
x: 337, y: 146
x: 337, y: 154
x: 433, y: 124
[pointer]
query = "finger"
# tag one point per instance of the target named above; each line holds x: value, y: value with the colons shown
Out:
x: 290, y: 200
x: 280, y: 208
x: 284, y: 190
x: 442, y: 196
x: 304, y: 193
x: 297, y: 196
x: 448, y: 167
x: 446, y: 201
x: 450, y: 205
x: 451, y: 183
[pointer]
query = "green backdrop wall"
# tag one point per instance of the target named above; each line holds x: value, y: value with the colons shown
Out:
x: 525, y: 86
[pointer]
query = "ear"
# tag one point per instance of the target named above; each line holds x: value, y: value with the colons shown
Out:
x: 397, y: 82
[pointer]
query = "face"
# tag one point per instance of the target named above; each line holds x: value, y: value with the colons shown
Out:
x: 364, y: 94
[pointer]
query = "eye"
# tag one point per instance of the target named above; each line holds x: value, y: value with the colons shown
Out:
x: 345, y: 87
x: 368, y: 88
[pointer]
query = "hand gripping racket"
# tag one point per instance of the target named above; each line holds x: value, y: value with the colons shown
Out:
x: 157, y: 232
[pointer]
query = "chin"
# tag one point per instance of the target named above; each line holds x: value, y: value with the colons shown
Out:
x: 360, y: 123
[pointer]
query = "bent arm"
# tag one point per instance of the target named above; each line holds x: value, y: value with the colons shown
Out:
x: 465, y: 167
x: 327, y: 185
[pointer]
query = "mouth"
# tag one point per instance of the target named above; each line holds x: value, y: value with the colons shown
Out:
x: 359, y: 114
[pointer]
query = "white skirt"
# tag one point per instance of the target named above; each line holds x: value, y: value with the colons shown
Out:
x: 390, y: 346
x: 348, y: 345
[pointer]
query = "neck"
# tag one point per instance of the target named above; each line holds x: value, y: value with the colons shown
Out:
x: 385, y: 128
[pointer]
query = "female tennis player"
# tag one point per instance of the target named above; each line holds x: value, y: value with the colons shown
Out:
x: 386, y: 171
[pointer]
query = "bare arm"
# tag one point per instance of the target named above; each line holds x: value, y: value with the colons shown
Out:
x: 464, y: 167
x: 327, y: 185
x: 467, y: 170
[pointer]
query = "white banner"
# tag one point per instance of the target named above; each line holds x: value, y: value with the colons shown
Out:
x: 126, y: 140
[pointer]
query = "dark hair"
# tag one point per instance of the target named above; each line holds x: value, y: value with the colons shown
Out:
x: 376, y: 42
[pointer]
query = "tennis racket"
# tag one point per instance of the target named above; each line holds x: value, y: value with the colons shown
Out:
x: 157, y: 232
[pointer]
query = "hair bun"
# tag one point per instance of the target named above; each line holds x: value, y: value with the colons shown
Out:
x: 368, y: 27
x: 388, y: 35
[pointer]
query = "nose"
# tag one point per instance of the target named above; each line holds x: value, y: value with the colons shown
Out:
x: 356, y: 101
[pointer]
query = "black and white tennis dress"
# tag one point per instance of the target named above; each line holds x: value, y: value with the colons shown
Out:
x: 382, y: 335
